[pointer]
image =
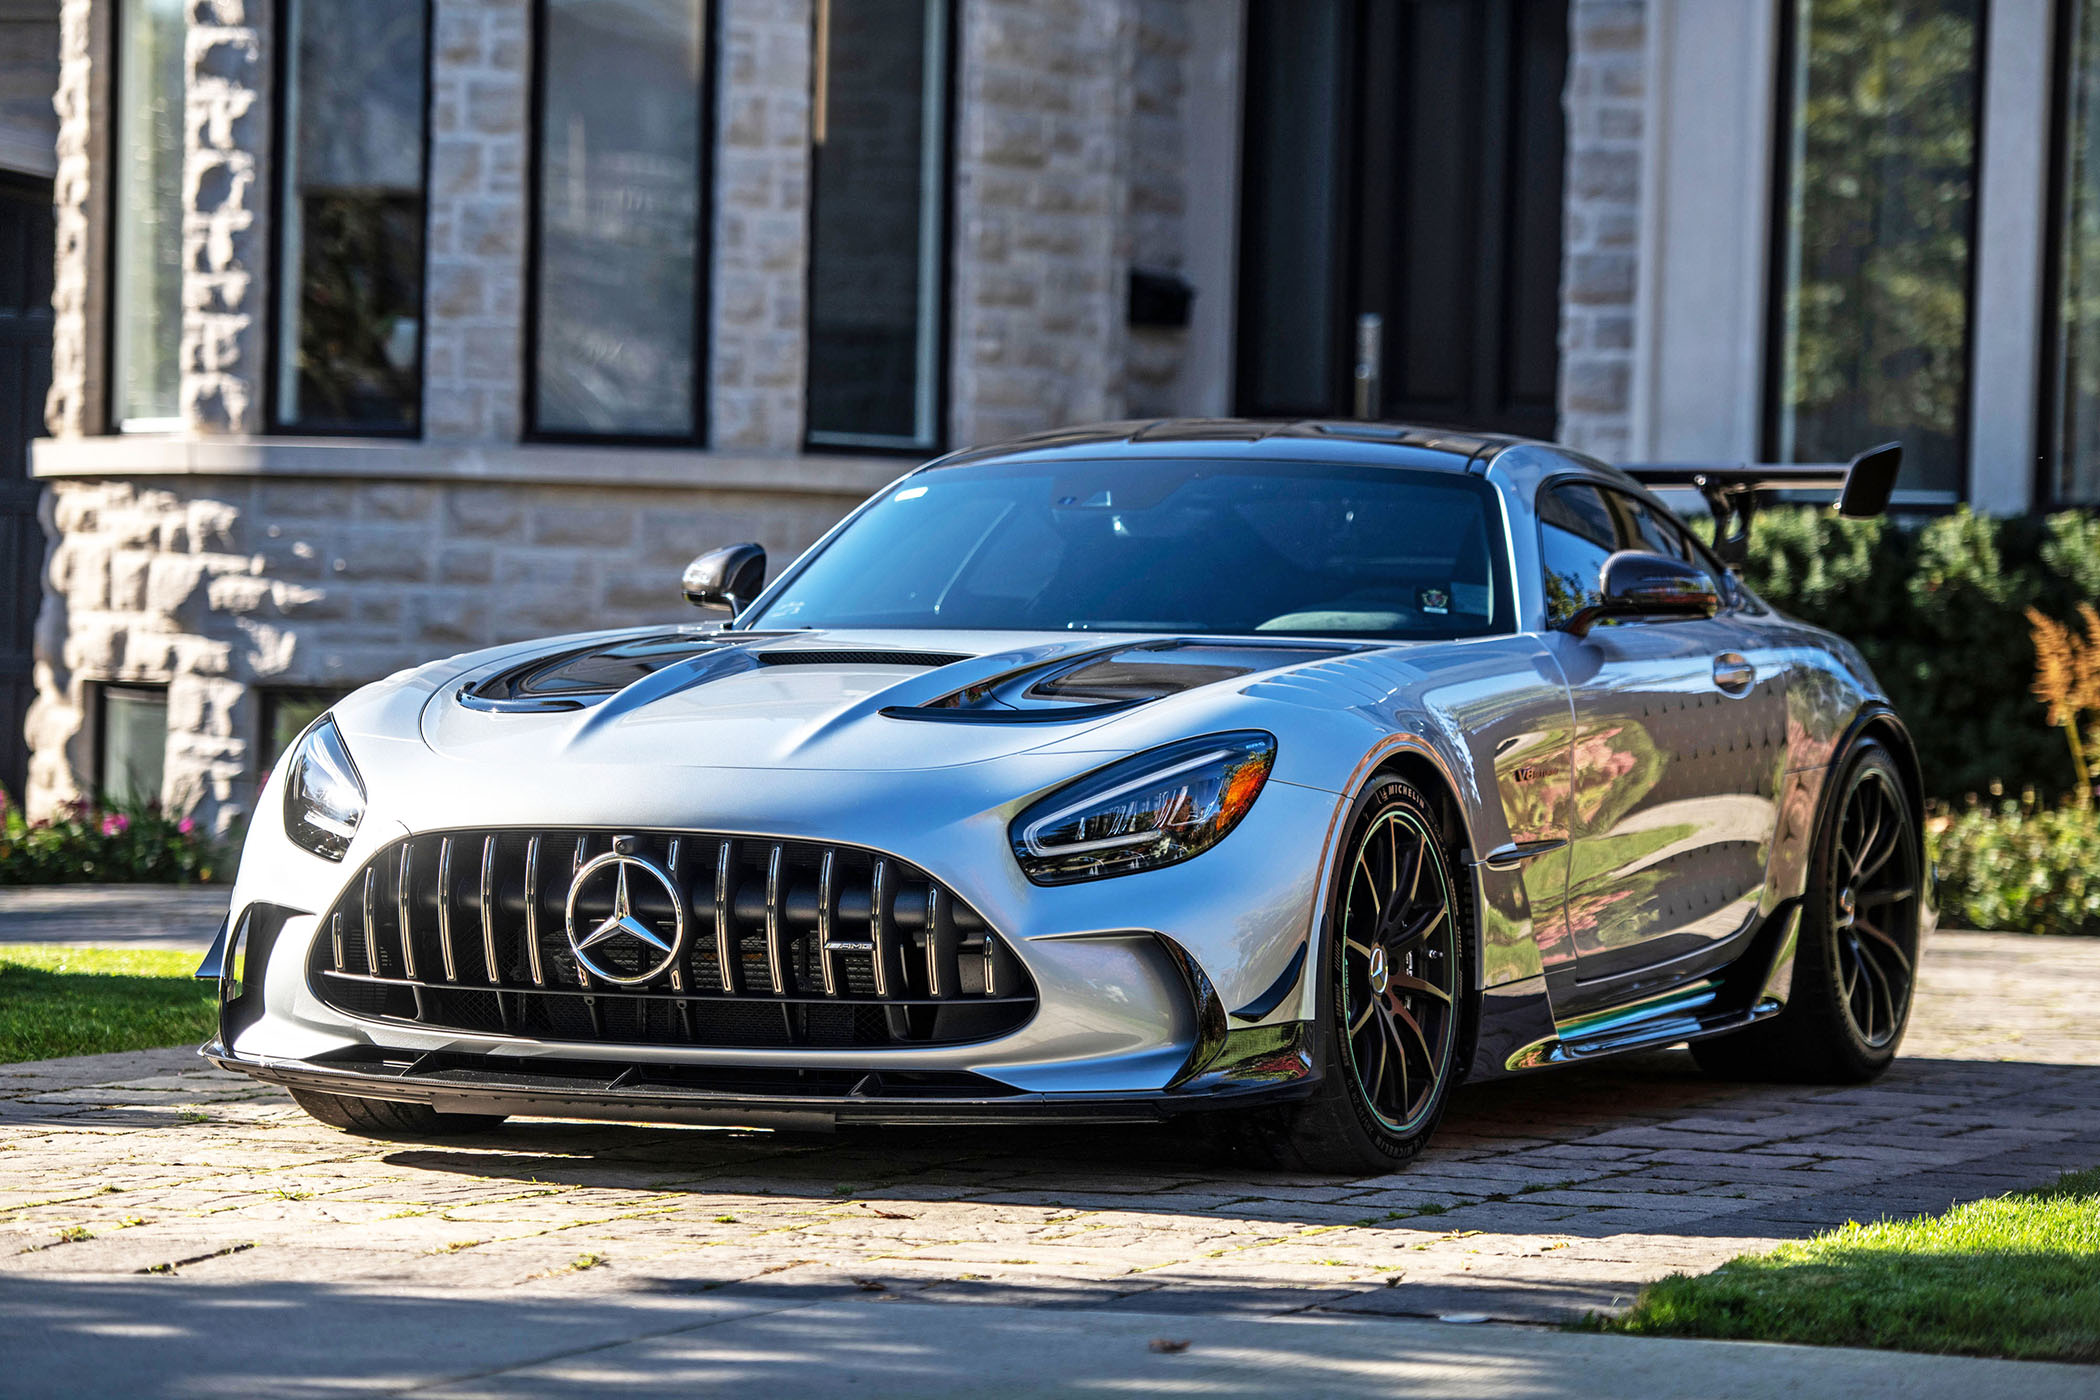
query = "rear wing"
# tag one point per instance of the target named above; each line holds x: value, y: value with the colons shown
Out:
x: 1861, y: 486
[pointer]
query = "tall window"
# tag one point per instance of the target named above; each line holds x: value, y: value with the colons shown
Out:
x: 2073, y: 451
x: 1877, y: 211
x: 131, y: 742
x: 878, y: 222
x: 618, y: 342
x: 350, y: 230
x: 146, y: 149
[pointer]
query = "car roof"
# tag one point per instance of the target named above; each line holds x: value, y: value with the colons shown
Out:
x: 1339, y: 440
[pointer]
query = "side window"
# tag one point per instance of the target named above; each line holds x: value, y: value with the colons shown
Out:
x: 1660, y: 533
x: 1576, y: 535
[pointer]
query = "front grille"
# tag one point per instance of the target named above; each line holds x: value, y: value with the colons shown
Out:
x: 786, y: 944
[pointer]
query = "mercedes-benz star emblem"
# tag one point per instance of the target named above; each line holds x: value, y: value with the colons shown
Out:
x: 655, y: 952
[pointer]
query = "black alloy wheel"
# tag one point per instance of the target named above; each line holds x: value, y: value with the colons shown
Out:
x: 1399, y: 1000
x: 1874, y: 906
x: 1393, y: 991
x: 1855, y: 966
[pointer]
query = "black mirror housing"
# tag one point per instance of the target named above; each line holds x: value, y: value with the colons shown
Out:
x: 1636, y: 584
x: 729, y: 577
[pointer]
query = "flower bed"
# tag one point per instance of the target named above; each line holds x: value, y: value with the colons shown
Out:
x: 119, y: 844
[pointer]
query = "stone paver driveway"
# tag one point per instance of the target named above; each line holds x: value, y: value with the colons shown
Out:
x: 1542, y: 1199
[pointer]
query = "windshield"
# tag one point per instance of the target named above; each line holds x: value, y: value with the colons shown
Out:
x: 1164, y: 546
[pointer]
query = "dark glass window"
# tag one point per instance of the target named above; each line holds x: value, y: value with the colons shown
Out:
x: 2074, y: 456
x: 1576, y: 535
x: 350, y: 231
x: 146, y: 236
x: 1876, y: 212
x: 617, y: 343
x: 286, y: 712
x: 131, y: 742
x: 877, y: 224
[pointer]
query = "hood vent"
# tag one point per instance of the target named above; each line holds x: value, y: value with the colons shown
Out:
x: 927, y: 660
x: 1095, y: 684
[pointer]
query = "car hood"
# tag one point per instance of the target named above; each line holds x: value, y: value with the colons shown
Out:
x: 858, y: 701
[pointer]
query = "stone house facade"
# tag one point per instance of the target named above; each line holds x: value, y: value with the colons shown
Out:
x: 476, y: 319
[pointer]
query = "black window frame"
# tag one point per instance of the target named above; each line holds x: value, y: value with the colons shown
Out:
x: 711, y: 36
x: 274, y: 423
x: 1772, y: 361
x: 944, y: 317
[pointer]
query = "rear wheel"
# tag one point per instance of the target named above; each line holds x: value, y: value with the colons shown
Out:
x: 1393, y: 996
x: 1856, y: 966
x: 384, y: 1119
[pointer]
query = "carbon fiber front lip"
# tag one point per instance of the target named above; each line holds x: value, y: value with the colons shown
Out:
x: 1227, y: 1085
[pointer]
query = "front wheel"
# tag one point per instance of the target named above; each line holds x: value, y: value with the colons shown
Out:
x: 1393, y: 992
x: 1856, y: 966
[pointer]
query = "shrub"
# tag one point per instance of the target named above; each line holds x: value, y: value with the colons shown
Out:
x: 118, y: 843
x: 1939, y: 613
x: 2018, y: 867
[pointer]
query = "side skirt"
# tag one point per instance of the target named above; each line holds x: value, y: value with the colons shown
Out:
x: 1750, y: 989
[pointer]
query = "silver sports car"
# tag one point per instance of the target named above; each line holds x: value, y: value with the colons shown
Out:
x: 1280, y: 775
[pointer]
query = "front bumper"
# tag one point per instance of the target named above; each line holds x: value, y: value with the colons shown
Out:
x: 1253, y: 1066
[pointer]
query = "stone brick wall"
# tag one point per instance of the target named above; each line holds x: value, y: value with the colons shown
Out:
x: 225, y: 216
x: 1606, y: 108
x: 761, y: 224
x: 1041, y: 245
x: 218, y: 586
x: 473, y: 385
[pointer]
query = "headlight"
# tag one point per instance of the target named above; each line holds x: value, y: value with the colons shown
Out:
x: 1155, y: 809
x: 324, y: 799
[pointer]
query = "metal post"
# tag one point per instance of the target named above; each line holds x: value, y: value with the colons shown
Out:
x: 1370, y: 356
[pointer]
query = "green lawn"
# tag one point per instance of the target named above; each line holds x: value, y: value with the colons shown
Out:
x: 2016, y: 1276
x: 82, y: 1001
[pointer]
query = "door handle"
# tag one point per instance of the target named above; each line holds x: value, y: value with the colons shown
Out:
x: 1734, y: 674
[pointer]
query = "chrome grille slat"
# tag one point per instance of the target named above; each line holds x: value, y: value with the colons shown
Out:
x: 776, y: 949
x: 787, y: 943
x: 532, y: 912
x: 370, y: 920
x: 488, y: 909
x: 444, y: 906
x: 402, y: 926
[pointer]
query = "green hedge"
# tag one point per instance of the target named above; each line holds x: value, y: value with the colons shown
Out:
x: 1938, y: 612
x: 2020, y: 869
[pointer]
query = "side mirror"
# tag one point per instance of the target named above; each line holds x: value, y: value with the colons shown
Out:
x: 1637, y: 584
x: 729, y: 577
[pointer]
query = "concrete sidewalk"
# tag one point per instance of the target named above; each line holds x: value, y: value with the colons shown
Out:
x: 113, y: 916
x: 150, y: 1337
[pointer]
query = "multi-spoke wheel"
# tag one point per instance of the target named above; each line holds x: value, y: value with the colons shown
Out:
x: 1858, y: 955
x: 1875, y: 905
x: 1394, y: 995
x: 1398, y: 997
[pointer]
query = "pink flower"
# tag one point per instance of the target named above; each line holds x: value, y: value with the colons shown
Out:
x: 186, y: 826
x: 115, y: 824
